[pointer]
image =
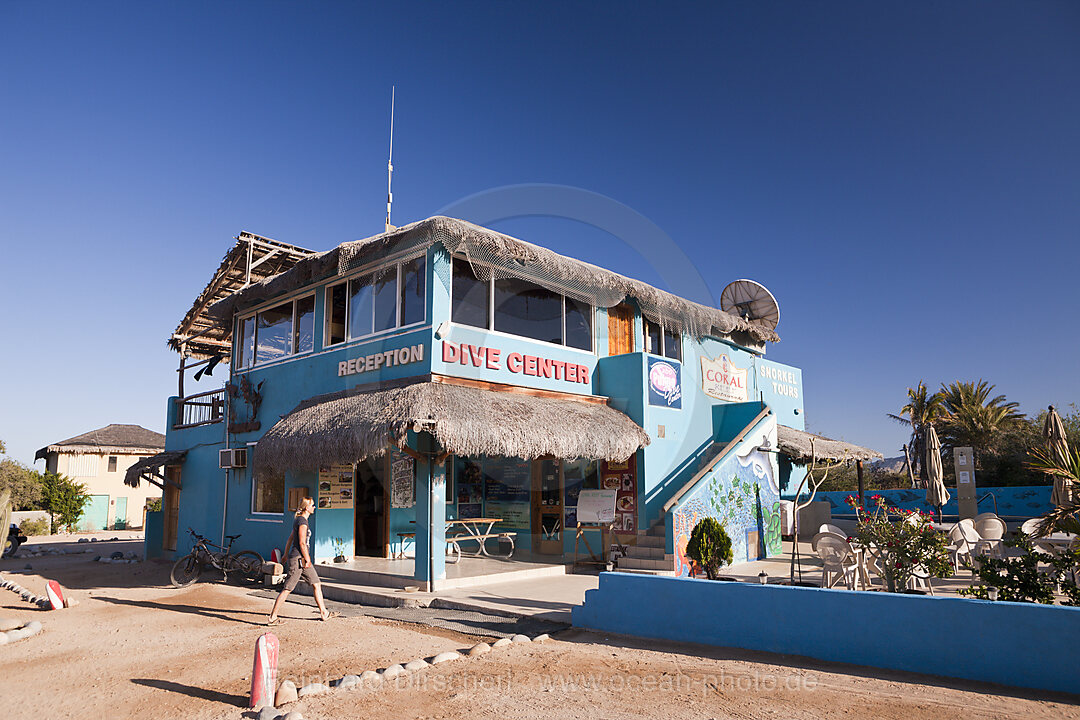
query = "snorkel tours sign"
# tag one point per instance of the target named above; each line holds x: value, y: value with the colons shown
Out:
x: 722, y: 380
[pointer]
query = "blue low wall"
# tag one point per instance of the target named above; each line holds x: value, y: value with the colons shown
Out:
x: 1011, y: 501
x: 1020, y: 644
x: 153, y: 532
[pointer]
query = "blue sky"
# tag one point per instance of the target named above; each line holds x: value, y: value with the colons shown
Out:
x: 904, y: 177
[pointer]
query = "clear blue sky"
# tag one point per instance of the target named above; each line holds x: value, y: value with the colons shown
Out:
x: 905, y: 177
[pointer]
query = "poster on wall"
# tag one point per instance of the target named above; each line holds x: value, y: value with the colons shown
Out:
x: 620, y: 476
x: 665, y: 383
x: 596, y: 507
x: 402, y: 480
x: 336, y: 487
x: 507, y: 487
x: 722, y: 380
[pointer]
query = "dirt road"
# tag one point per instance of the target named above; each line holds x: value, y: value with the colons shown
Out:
x: 136, y: 648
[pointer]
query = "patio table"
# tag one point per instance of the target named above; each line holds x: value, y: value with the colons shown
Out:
x: 478, y: 529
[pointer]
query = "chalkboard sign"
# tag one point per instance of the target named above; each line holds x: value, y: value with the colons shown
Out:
x: 402, y: 480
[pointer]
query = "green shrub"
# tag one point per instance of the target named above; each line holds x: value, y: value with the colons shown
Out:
x: 39, y: 526
x: 153, y: 505
x: 709, y: 546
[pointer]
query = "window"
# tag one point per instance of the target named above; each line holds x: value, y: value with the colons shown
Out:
x: 661, y: 341
x: 112, y: 463
x: 286, y: 329
x: 519, y: 307
x: 267, y: 494
x: 83, y: 465
x: 392, y: 297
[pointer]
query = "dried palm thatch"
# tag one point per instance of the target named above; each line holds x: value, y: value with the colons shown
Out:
x: 493, y: 254
x: 110, y: 440
x: 348, y: 427
x: 148, y: 466
x: 796, y: 445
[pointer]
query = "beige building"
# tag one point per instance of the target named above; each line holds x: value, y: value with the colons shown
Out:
x: 98, y: 459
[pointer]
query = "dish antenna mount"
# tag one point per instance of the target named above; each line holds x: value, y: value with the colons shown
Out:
x: 751, y: 301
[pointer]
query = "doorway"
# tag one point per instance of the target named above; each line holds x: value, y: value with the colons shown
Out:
x: 170, y: 507
x: 370, y: 508
x: 620, y: 329
x: 547, y: 507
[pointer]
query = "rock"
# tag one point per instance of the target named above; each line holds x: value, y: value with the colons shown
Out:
x: 268, y: 712
x: 294, y: 715
x: 392, y: 672
x: 349, y: 681
x: 541, y: 638
x: 8, y: 624
x: 3, y: 638
x: 445, y: 657
x: 70, y: 602
x: 501, y: 642
x: 417, y: 664
x: 521, y: 638
x: 93, y: 539
x: 479, y: 649
x: 28, y: 566
x: 34, y: 627
x: 370, y: 676
x: 286, y: 693
x: 312, y: 689
x: 13, y: 635
x: 114, y: 539
x: 117, y: 555
x: 84, y: 540
x: 97, y: 558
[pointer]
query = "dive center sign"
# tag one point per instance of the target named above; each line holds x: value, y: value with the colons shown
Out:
x: 722, y: 380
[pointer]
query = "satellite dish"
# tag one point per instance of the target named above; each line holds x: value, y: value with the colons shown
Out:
x: 751, y: 301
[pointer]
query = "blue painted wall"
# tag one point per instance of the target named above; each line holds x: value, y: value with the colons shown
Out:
x: 1018, y: 644
x: 1011, y: 501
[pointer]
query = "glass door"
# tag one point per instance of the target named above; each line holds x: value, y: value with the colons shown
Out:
x: 547, y: 507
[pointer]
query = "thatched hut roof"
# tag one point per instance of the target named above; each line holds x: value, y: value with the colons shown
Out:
x: 493, y: 253
x: 796, y: 445
x: 147, y: 467
x: 252, y: 259
x: 109, y: 440
x: 347, y: 427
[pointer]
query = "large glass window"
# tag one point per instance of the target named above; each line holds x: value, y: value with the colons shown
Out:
x: 471, y: 300
x: 304, y: 336
x: 273, y: 332
x: 336, y: 305
x: 529, y: 310
x: 659, y: 340
x: 385, y: 299
x: 412, y: 291
x: 268, y: 494
x: 246, y: 342
x: 360, y: 306
x: 578, y: 324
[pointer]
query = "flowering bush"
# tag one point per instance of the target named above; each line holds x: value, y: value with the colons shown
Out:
x: 1021, y: 579
x: 903, y: 542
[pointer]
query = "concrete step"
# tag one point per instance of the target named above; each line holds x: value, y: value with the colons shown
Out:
x: 650, y: 541
x: 656, y: 530
x: 643, y: 571
x: 645, y: 563
x: 645, y: 552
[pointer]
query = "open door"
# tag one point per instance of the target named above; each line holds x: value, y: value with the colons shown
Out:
x: 547, y: 507
x: 170, y: 506
x: 371, y: 508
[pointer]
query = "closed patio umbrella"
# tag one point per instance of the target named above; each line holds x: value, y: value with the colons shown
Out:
x: 1058, y: 447
x: 936, y: 494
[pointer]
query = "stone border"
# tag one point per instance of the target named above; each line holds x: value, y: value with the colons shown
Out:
x: 18, y: 633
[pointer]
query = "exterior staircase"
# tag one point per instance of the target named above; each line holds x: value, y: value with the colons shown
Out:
x: 648, y: 556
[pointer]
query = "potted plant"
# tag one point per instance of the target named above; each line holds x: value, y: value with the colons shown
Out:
x: 339, y: 550
x: 709, y: 546
x: 904, y: 542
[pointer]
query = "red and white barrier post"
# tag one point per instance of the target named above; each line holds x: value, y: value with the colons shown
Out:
x: 264, y: 672
x: 55, y: 594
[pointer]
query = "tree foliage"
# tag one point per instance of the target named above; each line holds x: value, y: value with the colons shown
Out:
x: 24, y: 484
x: 922, y: 410
x: 709, y: 546
x: 64, y: 500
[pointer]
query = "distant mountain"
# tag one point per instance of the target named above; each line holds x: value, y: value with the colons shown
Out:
x: 892, y: 466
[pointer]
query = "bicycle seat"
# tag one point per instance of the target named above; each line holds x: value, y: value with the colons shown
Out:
x: 231, y: 537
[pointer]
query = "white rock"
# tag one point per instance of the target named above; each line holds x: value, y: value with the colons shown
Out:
x: 541, y: 638
x: 294, y: 715
x: 3, y: 638
x: 370, y: 676
x: 13, y: 635
x: 286, y: 693
x: 521, y: 639
x: 268, y: 712
x: 33, y: 626
x: 392, y: 672
x: 312, y: 689
x: 501, y: 642
x: 479, y: 649
x: 414, y: 665
x: 445, y: 657
x: 348, y: 681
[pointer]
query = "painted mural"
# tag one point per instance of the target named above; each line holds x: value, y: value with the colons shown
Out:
x: 742, y: 494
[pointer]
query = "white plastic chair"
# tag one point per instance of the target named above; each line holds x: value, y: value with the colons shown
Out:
x: 829, y: 528
x: 959, y: 547
x: 839, y: 559
x: 1029, y: 526
x: 991, y: 531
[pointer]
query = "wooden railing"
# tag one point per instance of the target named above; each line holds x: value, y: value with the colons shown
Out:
x: 201, y: 409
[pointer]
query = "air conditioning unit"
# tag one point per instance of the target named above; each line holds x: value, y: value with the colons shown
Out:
x: 232, y: 458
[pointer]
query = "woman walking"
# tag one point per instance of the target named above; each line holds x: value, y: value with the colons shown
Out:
x: 298, y: 557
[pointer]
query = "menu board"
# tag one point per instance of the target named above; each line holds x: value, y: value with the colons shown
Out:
x: 336, y: 487
x: 508, y: 484
x: 402, y: 480
x: 469, y: 489
x: 596, y: 507
x: 621, y: 477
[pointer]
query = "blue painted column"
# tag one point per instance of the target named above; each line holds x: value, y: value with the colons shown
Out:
x: 430, y: 566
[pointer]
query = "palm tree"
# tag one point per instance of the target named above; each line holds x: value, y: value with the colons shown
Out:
x: 974, y: 418
x: 922, y: 410
x: 1065, y: 517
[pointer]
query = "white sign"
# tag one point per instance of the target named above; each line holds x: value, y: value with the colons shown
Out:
x: 596, y: 506
x: 964, y: 477
x: 722, y: 380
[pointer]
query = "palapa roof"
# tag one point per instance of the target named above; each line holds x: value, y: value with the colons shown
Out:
x: 493, y: 253
x: 797, y: 446
x: 148, y: 466
x: 111, y: 439
x: 347, y: 427
x: 206, y: 337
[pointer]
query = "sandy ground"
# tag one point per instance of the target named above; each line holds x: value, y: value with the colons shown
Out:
x: 137, y: 648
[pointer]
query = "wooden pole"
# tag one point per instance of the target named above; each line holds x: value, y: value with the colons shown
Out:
x: 862, y: 488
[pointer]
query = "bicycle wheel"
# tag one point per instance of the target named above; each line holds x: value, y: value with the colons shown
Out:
x: 185, y: 571
x: 248, y: 563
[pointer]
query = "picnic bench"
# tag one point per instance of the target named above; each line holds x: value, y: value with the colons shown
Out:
x: 479, y: 530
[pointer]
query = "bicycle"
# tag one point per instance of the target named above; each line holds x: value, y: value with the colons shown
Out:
x: 187, y: 569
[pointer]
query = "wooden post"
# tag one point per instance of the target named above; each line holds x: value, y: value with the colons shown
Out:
x: 862, y: 488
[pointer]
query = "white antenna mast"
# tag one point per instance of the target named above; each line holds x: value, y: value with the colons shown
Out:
x: 390, y: 164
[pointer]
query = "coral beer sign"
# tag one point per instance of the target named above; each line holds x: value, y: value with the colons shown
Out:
x: 722, y: 380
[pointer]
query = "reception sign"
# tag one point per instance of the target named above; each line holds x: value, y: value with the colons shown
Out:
x: 722, y: 380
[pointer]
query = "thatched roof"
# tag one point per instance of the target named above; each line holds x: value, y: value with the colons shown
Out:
x: 496, y: 254
x: 348, y: 427
x: 796, y: 445
x: 111, y: 439
x: 206, y: 337
x: 147, y: 467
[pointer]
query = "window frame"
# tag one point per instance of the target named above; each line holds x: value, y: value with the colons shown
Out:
x: 661, y: 352
x: 294, y: 301
x: 255, y: 494
x: 490, y: 282
x: 113, y: 464
x: 373, y: 270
